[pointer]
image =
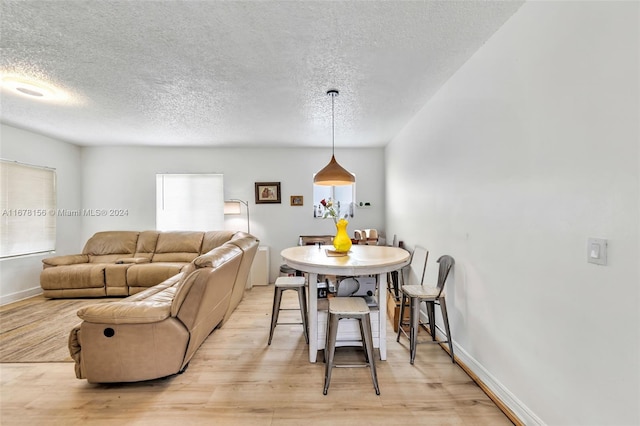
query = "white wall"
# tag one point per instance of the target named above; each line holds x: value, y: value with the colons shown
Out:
x: 95, y: 178
x: 528, y: 150
x: 124, y: 178
x: 20, y: 276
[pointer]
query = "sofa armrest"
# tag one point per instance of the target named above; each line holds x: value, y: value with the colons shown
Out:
x: 70, y: 259
x: 138, y: 312
x: 134, y: 260
x: 76, y: 351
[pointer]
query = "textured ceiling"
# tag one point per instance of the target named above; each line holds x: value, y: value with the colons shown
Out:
x: 235, y: 73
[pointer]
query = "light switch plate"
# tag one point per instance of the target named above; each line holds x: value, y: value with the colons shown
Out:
x: 597, y: 251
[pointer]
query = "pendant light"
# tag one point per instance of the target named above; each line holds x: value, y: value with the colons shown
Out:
x: 333, y: 173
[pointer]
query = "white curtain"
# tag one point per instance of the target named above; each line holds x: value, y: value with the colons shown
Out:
x: 27, y: 209
x: 189, y: 202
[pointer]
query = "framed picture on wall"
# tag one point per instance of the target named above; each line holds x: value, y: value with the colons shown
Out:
x: 297, y: 200
x: 268, y: 193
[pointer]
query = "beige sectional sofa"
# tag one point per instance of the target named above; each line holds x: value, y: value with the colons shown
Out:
x: 122, y: 263
x: 156, y: 331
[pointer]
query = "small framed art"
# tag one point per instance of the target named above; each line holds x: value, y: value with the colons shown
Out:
x: 268, y: 193
x: 297, y: 200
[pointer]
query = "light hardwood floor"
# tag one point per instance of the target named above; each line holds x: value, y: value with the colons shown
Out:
x: 236, y: 379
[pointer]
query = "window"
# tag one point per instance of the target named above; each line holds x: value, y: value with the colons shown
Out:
x: 27, y: 208
x: 343, y: 197
x: 189, y: 202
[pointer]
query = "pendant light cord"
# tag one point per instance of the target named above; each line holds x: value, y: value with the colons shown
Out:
x: 333, y: 93
x: 333, y: 124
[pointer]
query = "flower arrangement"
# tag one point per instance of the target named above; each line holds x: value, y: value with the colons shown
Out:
x: 341, y: 241
x: 329, y: 210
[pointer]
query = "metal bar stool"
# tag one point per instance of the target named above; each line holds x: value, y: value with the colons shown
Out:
x: 432, y: 296
x: 349, y: 307
x: 289, y: 283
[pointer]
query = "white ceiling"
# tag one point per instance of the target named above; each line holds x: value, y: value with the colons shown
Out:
x: 235, y: 73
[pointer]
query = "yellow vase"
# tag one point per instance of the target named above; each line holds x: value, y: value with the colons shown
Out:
x: 342, y: 241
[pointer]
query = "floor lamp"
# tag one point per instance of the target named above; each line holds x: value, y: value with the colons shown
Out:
x: 233, y: 207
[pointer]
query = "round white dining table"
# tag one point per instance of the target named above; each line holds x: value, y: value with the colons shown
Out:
x: 362, y: 260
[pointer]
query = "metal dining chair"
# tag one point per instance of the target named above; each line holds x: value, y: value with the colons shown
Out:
x: 281, y: 285
x: 359, y: 236
x: 417, y: 266
x: 354, y: 308
x: 418, y: 293
x: 371, y: 236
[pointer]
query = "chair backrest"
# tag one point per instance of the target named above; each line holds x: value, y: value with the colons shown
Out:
x: 417, y: 266
x: 311, y: 240
x: 371, y: 236
x: 446, y: 263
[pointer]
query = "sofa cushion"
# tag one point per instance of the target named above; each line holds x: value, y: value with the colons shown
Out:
x: 83, y: 275
x: 148, y: 306
x: 140, y: 312
x: 178, y: 246
x: 111, y: 242
x: 132, y: 260
x: 108, y: 258
x: 150, y: 274
x: 115, y: 278
x: 70, y: 259
x: 146, y: 246
x: 169, y: 283
x: 205, y: 304
x: 183, y: 288
x: 249, y: 247
x: 217, y: 256
x: 213, y: 239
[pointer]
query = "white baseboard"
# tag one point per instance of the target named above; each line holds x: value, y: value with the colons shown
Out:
x: 24, y: 294
x: 520, y: 410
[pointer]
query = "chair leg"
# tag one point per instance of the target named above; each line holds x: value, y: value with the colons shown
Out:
x: 277, y: 297
x: 302, y: 300
x: 404, y: 300
x: 368, y: 344
x: 413, y: 327
x: 362, y: 339
x: 445, y: 319
x: 330, y: 350
x: 327, y: 331
x: 432, y: 319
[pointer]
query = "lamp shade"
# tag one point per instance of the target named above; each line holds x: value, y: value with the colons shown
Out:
x: 232, y: 207
x: 333, y: 174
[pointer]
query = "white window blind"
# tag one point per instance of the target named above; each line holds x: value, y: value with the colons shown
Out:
x: 189, y: 202
x: 27, y: 209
